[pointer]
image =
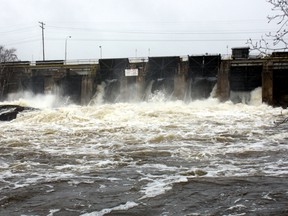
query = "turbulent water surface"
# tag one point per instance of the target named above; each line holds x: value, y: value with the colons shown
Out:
x: 148, y: 158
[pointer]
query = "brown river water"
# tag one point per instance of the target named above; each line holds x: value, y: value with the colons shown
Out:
x: 156, y: 157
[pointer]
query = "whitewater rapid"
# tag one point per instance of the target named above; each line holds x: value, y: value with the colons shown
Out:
x: 156, y: 144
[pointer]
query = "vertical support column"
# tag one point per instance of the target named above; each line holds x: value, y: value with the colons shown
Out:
x: 179, y: 87
x: 86, y: 89
x: 267, y: 82
x: 223, y: 85
x: 180, y: 81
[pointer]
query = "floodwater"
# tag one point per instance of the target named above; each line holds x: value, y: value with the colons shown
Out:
x: 155, y: 157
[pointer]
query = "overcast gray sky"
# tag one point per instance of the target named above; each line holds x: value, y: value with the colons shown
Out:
x: 129, y: 28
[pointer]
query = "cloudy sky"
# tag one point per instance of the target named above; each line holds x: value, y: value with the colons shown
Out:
x: 130, y: 28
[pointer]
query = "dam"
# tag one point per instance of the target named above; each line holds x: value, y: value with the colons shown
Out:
x: 172, y: 153
x: 134, y: 79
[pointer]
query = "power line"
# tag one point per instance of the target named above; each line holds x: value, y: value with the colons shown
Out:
x: 25, y: 29
x: 23, y: 41
x: 148, y: 32
x: 260, y: 31
x: 157, y: 40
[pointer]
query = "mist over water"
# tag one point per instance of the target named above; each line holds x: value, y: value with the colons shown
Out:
x: 142, y: 148
x: 40, y: 101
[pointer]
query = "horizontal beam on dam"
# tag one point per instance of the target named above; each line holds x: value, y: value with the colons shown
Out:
x: 184, y: 78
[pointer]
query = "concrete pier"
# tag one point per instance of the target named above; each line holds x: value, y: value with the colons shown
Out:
x: 223, y: 84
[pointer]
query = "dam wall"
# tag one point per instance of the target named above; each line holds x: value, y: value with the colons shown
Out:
x: 177, y: 77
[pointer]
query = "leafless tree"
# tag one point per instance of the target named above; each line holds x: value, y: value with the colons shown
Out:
x: 279, y: 42
x: 6, y: 55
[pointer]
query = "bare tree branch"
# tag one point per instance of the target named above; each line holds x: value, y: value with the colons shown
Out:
x: 279, y: 40
x: 6, y: 55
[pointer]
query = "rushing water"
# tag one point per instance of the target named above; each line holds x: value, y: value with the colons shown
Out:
x: 150, y: 158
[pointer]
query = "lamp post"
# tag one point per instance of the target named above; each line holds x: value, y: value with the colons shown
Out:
x: 100, y: 47
x: 66, y: 47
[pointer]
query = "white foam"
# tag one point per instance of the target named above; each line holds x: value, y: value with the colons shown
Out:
x: 256, y: 97
x: 97, y: 99
x: 125, y: 206
x: 41, y: 101
x: 52, y: 211
x: 159, y: 185
x: 104, y: 136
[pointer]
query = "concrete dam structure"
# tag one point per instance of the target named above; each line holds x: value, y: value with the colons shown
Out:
x: 178, y: 78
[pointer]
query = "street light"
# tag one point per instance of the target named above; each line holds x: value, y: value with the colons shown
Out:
x: 66, y: 47
x: 100, y: 47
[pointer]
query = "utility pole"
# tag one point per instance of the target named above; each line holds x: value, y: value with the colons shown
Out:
x: 43, y: 47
